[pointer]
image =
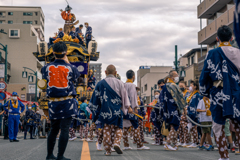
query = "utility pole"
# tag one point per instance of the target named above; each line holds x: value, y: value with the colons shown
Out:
x: 176, y: 59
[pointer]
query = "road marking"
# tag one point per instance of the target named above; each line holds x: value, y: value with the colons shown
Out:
x: 85, y: 151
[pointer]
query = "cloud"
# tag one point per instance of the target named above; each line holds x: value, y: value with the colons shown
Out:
x: 130, y: 33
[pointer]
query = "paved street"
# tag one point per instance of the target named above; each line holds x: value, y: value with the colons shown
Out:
x: 36, y: 150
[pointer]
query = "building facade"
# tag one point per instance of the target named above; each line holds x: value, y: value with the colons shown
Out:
x: 216, y: 13
x: 190, y: 63
x: 148, y: 78
x: 25, y: 28
x: 97, y: 68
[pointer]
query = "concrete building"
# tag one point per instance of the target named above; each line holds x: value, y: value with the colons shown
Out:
x: 190, y: 63
x: 148, y: 78
x: 141, y: 72
x: 97, y: 67
x: 25, y: 28
x: 216, y: 13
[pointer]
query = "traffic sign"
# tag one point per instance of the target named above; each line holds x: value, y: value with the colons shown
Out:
x: 3, y: 96
x: 3, y: 85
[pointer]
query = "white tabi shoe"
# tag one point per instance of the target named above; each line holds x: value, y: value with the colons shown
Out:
x: 82, y: 139
x: 143, y: 148
x: 112, y: 150
x: 180, y: 144
x: 72, y: 139
x: 186, y: 144
x: 99, y: 147
x: 169, y: 148
x: 192, y: 146
x: 131, y: 138
x: 89, y: 140
x: 223, y: 159
x: 127, y: 148
x: 117, y: 149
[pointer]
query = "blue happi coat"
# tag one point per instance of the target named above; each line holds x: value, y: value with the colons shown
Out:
x: 83, y: 114
x: 159, y: 113
x: 38, y: 119
x: 89, y: 33
x: 61, y: 77
x: 141, y: 111
x: 91, y: 81
x: 225, y: 102
x: 105, y: 105
x: 78, y: 30
x: 132, y: 118
x: 60, y: 34
x: 171, y: 114
x: 30, y: 118
x: 186, y: 95
x: 192, y: 107
x: 74, y: 35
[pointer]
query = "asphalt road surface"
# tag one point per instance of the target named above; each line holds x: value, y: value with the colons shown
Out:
x: 36, y: 150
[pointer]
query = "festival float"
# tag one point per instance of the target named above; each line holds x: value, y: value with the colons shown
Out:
x: 78, y: 55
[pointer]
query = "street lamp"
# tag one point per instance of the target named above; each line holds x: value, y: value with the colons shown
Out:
x: 30, y: 78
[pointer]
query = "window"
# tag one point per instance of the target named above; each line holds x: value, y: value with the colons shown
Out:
x: 23, y: 97
x: 27, y: 22
x: 189, y: 62
x: 10, y: 13
x: 14, y: 33
x: 1, y: 13
x: 27, y: 13
x: 36, y: 13
x: 192, y: 59
x: 145, y: 87
x: 2, y: 22
x: 36, y: 22
x: 10, y: 22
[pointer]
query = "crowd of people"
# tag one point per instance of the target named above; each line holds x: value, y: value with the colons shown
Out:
x: 179, y: 116
x: 76, y: 35
x: 16, y: 120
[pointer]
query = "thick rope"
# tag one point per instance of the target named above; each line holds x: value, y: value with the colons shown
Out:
x: 186, y: 115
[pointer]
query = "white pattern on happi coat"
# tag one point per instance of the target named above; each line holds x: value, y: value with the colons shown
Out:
x: 105, y: 97
x: 172, y: 100
x: 117, y: 113
x: 224, y: 66
x: 106, y: 114
x: 236, y: 77
x: 175, y: 113
x: 219, y: 96
x: 116, y: 101
x: 165, y: 97
x: 236, y: 112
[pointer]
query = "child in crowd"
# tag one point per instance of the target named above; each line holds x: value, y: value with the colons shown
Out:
x: 205, y: 118
x: 83, y: 115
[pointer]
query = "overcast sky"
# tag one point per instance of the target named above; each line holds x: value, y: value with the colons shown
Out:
x: 130, y: 33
